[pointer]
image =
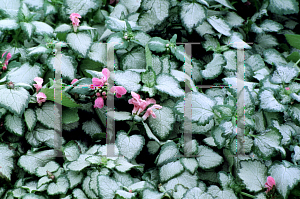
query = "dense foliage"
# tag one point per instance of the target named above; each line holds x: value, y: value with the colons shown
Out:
x: 150, y: 77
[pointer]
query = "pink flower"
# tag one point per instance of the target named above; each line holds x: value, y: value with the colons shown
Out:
x: 287, y: 88
x: 41, y: 97
x: 74, y: 80
x: 112, y: 1
x: 270, y: 183
x: 75, y: 20
x: 119, y: 90
x: 8, y: 56
x: 100, y: 82
x: 139, y: 104
x: 99, y: 102
x: 150, y: 111
x: 39, y: 81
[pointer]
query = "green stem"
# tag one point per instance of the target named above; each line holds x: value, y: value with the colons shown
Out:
x: 296, y: 63
x: 246, y: 194
x: 131, y: 128
x: 252, y: 135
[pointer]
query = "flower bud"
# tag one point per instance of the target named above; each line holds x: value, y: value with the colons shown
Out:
x: 167, y: 45
x: 125, y: 37
x: 10, y: 85
x: 98, y: 94
x: 103, y: 93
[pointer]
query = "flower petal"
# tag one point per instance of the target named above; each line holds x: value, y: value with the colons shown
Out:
x: 99, y: 102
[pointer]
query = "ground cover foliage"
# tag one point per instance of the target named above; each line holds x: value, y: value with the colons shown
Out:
x: 150, y: 99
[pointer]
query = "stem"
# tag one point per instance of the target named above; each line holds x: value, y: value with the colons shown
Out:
x: 252, y: 135
x: 131, y: 128
x: 296, y: 63
x: 246, y: 194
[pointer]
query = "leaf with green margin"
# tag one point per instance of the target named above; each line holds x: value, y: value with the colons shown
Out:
x: 192, y: 14
x: 148, y: 56
x: 202, y: 107
x: 166, y: 83
x: 67, y: 101
x: 149, y: 77
x: 163, y: 124
x: 51, y: 166
x: 268, y: 102
x: 14, y: 100
x: 170, y: 170
x: 168, y: 153
x: 71, y: 151
x: 79, y: 42
x: 68, y: 65
x: 61, y: 186
x: 286, y: 176
x: 157, y: 44
x: 80, y: 163
x: 253, y: 174
x: 47, y: 136
x: 79, y: 194
x: 98, y: 53
x: 70, y: 115
x: 220, y: 25
x: 91, y: 127
x: 190, y: 164
x: 42, y: 181
x: 81, y: 7
x: 74, y: 178
x: 267, y: 144
x: 6, y: 161
x: 135, y: 59
x: 88, y: 64
x: 33, y: 160
x: 186, y: 179
x: 196, y: 193
x: 208, y: 158
x: 129, y: 146
x: 128, y: 79
x: 14, y: 124
x: 284, y: 7
x: 107, y: 186
x: 46, y: 115
x: 118, y: 39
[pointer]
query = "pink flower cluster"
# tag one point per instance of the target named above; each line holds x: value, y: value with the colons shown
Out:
x: 75, y: 20
x: 270, y: 183
x: 100, y: 85
x: 8, y: 56
x: 140, y: 105
x: 41, y: 97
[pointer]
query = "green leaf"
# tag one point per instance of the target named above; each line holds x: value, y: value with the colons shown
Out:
x: 208, y: 158
x: 79, y: 42
x: 234, y: 19
x: 8, y: 24
x: 213, y: 68
x: 296, y: 155
x: 51, y: 166
x: 14, y: 124
x: 150, y: 194
x: 149, y: 77
x: 168, y: 84
x: 37, y: 50
x: 81, y: 7
x: 163, y: 123
x: 170, y: 170
x: 168, y: 153
x: 120, y: 115
x: 134, y: 59
x: 219, y: 140
x: 25, y: 74
x: 294, y: 112
x: 294, y: 57
x: 149, y: 133
x: 286, y: 132
x: 226, y: 180
x: 217, y: 193
x: 141, y: 37
x: 6, y: 161
x: 14, y: 100
x: 42, y: 181
x: 98, y: 53
x: 268, y: 101
x: 61, y: 186
x: 63, y: 28
x: 220, y: 25
x: 125, y: 194
x: 253, y: 174
x: 10, y: 8
x: 157, y: 44
x: 201, y: 107
x: 159, y: 7
x: 255, y: 62
x: 286, y: 176
x: 70, y: 115
x: 122, y: 165
x: 293, y: 40
x: 284, y: 8
x: 129, y: 146
x: 42, y: 28
x: 128, y: 79
x: 107, y: 186
x: 148, y: 56
x: 67, y: 101
x: 267, y: 144
x: 271, y: 26
x: 230, y: 57
x: 33, y: 160
x: 204, y: 28
x: 192, y: 14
